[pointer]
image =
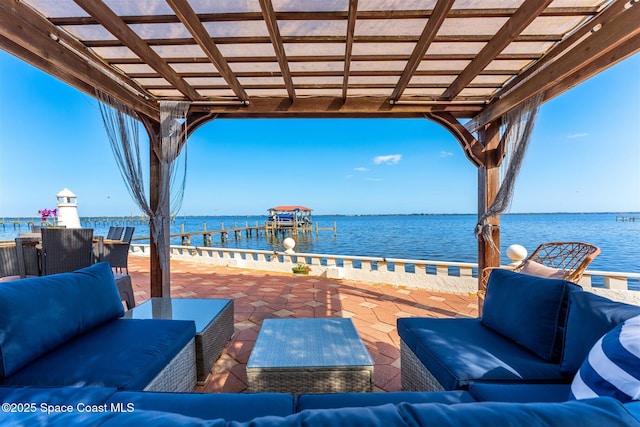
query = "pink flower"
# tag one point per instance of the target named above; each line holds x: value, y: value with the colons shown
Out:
x: 46, y: 213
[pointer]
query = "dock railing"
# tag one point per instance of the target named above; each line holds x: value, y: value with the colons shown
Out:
x: 439, y: 276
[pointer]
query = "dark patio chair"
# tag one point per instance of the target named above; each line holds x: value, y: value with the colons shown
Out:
x: 66, y: 249
x: 8, y: 262
x: 117, y: 253
x: 115, y: 233
x: 28, y: 260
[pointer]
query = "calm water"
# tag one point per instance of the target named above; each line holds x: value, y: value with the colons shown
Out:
x: 430, y: 237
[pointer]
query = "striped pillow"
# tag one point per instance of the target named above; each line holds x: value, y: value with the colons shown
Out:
x: 613, y: 366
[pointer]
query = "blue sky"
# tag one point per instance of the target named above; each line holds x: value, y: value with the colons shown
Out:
x: 584, y: 157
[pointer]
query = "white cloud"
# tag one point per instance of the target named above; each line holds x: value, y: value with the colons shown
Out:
x: 390, y: 159
x: 361, y: 169
x: 578, y: 135
x: 373, y: 179
x: 446, y: 154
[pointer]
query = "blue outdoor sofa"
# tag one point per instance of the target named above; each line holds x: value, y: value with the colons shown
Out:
x: 65, y: 330
x: 62, y: 365
x: 532, y: 330
x: 98, y: 406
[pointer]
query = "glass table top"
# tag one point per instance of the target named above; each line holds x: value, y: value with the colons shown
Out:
x: 201, y: 311
x: 287, y: 343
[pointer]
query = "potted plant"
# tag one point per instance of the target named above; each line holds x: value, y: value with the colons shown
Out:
x: 301, y: 268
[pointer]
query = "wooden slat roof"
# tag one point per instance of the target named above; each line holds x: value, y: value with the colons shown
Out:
x: 473, y: 59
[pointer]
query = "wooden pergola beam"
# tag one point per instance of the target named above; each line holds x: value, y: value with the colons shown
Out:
x: 351, y: 28
x: 278, y: 46
x: 35, y: 40
x: 190, y: 20
x: 525, y: 14
x: 333, y: 107
x: 116, y: 26
x: 593, y: 53
x: 428, y: 34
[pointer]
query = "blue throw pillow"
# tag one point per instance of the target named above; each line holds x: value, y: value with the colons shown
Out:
x: 590, y: 317
x: 525, y: 309
x: 613, y: 366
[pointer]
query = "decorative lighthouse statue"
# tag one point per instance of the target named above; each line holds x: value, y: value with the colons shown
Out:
x: 68, y: 209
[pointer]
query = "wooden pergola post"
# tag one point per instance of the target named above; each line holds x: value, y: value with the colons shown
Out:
x: 488, y: 185
x: 160, y: 279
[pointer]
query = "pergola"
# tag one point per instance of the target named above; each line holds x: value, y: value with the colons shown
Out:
x: 444, y: 60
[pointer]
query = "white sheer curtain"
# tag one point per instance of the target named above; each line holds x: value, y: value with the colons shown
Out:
x: 517, y: 129
x: 122, y: 126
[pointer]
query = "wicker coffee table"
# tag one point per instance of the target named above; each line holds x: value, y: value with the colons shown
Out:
x: 213, y: 319
x: 309, y: 356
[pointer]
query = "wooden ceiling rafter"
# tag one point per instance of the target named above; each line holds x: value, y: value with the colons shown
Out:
x: 521, y: 18
x: 112, y: 23
x: 189, y: 19
x: 278, y: 46
x: 328, y: 15
x: 351, y: 29
x: 330, y: 39
x: 334, y: 58
x: 434, y: 23
x: 594, y: 53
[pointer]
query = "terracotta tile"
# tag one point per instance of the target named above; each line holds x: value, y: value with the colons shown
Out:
x: 373, y: 309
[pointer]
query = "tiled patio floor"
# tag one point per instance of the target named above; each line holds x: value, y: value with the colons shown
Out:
x: 260, y: 295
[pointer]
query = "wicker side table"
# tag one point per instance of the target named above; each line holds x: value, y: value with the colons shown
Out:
x: 213, y: 319
x: 309, y: 356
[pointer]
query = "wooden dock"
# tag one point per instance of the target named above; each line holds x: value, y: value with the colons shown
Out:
x: 19, y: 222
x: 236, y: 232
x: 97, y: 221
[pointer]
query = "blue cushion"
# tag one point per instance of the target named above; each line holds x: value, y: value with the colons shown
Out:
x: 56, y: 395
x: 209, y: 406
x: 519, y: 393
x: 525, y: 309
x: 590, y: 317
x: 594, y: 412
x: 39, y: 314
x: 344, y: 400
x: 124, y: 353
x: 109, y: 419
x: 612, y: 367
x: 458, y: 351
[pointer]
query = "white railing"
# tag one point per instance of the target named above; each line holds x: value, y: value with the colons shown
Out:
x: 440, y: 276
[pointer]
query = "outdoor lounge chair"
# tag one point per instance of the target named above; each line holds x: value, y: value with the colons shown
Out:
x: 560, y: 260
x: 66, y: 249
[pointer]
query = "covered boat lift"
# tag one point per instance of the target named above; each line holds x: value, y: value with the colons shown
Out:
x: 462, y: 63
x: 292, y: 218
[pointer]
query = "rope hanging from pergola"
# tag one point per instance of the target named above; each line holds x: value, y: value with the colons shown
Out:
x: 517, y: 128
x: 122, y: 126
